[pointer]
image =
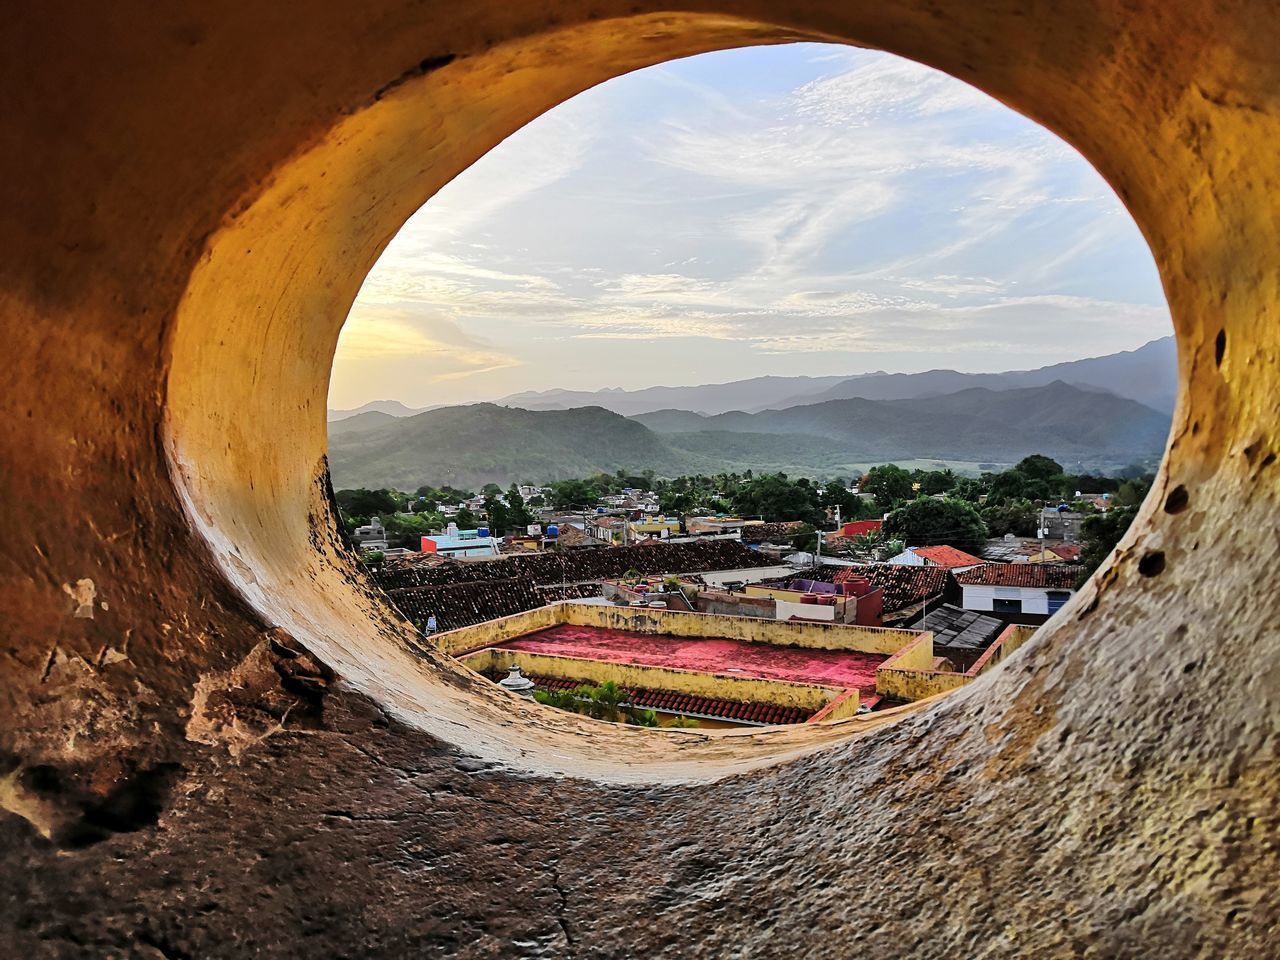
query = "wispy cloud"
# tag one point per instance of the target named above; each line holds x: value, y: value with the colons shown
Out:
x: 844, y: 207
x: 438, y: 347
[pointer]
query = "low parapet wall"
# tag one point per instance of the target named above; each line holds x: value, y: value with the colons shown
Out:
x: 841, y: 708
x: 815, y: 636
x: 909, y: 675
x: 492, y: 632
x: 722, y: 686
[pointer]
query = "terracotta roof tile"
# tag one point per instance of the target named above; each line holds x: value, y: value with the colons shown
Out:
x: 1051, y: 576
x: 947, y: 557
x: 771, y: 532
x: 670, y: 701
x: 903, y: 585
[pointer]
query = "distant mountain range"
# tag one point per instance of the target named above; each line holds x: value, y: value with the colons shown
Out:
x: 471, y: 445
x: 754, y: 394
x: 390, y: 408
x: 1148, y: 375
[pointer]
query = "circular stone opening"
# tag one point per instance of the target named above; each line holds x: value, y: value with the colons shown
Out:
x: 259, y: 322
x: 722, y: 243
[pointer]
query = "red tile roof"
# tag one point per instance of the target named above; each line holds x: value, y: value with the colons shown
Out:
x: 1067, y: 551
x: 772, y: 532
x: 857, y: 528
x: 1051, y: 576
x: 903, y: 585
x: 571, y: 536
x: 686, y: 703
x: 947, y: 557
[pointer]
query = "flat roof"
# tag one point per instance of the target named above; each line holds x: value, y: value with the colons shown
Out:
x: 828, y: 668
x: 954, y: 626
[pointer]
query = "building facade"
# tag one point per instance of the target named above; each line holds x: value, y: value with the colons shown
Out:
x: 1018, y: 592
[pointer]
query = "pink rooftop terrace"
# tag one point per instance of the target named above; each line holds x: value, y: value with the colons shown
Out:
x: 828, y: 668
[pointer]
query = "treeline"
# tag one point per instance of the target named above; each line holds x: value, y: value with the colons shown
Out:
x: 934, y: 507
x: 408, y: 518
x: 921, y: 507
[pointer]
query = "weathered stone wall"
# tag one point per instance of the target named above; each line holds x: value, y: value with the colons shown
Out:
x: 215, y: 741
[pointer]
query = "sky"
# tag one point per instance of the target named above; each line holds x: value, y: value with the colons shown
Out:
x: 796, y: 210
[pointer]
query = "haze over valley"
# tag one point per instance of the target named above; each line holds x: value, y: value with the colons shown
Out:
x: 1098, y: 414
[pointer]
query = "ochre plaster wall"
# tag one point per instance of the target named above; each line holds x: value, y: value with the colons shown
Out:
x: 909, y: 675
x: 742, y: 689
x: 842, y: 707
x: 819, y: 636
x: 454, y: 642
x: 215, y: 740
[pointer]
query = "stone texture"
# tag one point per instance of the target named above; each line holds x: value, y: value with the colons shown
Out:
x: 215, y: 740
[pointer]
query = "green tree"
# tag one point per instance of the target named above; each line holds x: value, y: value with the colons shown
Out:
x: 1013, y: 516
x: 927, y: 522
x: 1087, y: 483
x: 837, y: 495
x: 1039, y: 467
x: 568, y: 494
x: 499, y: 521
x: 967, y: 488
x: 466, y: 520
x: 518, y: 514
x: 676, y: 504
x: 936, y: 481
x: 407, y: 530
x: 367, y: 503
x: 1099, y: 535
x: 604, y: 702
x: 1131, y: 493
x: 889, y: 484
x: 775, y: 498
x: 1016, y: 485
x: 866, y: 546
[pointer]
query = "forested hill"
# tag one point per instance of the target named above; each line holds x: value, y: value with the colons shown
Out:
x: 975, y: 424
x: 1148, y: 375
x: 472, y: 445
x: 468, y: 446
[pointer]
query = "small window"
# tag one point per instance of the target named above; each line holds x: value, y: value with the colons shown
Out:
x: 1001, y: 605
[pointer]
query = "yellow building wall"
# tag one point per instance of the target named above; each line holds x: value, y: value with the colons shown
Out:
x: 908, y: 676
x: 917, y: 684
x: 497, y: 631
x: 741, y: 689
x: 776, y: 593
x: 816, y: 636
x: 656, y: 527
x: 1010, y: 639
x: 841, y: 708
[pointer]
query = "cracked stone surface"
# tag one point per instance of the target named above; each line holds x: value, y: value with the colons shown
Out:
x: 217, y: 740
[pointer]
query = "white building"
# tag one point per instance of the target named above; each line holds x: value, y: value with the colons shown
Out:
x: 460, y: 543
x: 372, y: 536
x: 1031, y: 592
